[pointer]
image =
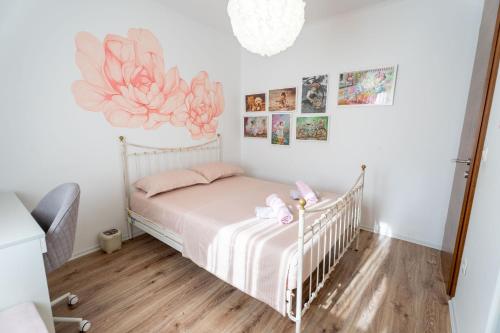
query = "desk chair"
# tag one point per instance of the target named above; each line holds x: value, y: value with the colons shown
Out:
x: 57, y: 214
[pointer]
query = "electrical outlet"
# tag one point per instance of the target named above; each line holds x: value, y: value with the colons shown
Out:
x: 463, y: 267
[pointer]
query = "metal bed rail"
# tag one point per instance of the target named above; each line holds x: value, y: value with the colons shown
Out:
x: 322, y: 244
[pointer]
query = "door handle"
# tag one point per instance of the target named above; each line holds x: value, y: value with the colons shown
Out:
x: 466, y: 174
x: 458, y: 160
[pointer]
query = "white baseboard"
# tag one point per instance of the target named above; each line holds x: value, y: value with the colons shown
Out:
x: 453, y: 318
x: 96, y: 247
x: 85, y: 252
x: 402, y: 237
x: 138, y: 232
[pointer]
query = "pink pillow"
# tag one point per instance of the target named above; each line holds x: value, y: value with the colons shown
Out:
x: 216, y: 170
x: 168, y: 181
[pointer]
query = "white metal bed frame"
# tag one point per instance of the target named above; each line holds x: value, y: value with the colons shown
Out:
x: 339, y: 221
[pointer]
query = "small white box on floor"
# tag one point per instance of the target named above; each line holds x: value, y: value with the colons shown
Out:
x: 110, y: 240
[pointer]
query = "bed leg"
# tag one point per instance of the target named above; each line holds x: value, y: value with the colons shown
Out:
x: 360, y: 205
x: 130, y: 228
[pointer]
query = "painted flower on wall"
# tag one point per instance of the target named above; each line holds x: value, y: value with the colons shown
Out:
x: 205, y: 102
x: 124, y: 78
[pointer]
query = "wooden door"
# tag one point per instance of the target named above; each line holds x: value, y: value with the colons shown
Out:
x: 471, y: 144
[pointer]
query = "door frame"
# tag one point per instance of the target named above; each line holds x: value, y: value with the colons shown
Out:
x: 470, y: 187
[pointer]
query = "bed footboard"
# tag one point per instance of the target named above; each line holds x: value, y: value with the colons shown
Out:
x: 322, y: 244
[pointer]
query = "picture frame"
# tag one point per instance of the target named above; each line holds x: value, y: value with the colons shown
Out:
x: 281, y: 129
x: 255, y: 102
x: 314, y: 94
x: 255, y: 127
x: 283, y: 100
x: 312, y: 128
x: 367, y: 87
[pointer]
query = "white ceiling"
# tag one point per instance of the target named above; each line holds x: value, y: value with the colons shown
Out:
x: 213, y: 12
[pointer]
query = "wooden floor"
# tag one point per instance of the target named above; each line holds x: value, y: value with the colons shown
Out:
x: 389, y: 286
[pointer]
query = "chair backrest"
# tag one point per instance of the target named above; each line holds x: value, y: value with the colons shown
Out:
x: 57, y: 215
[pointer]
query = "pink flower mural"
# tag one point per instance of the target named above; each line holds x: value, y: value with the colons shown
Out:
x: 205, y: 102
x: 124, y: 78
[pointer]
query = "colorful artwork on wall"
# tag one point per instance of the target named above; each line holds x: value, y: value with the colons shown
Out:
x: 370, y: 87
x: 312, y: 128
x: 283, y: 99
x: 314, y: 94
x: 125, y: 79
x: 255, y: 127
x: 255, y: 102
x: 280, y: 129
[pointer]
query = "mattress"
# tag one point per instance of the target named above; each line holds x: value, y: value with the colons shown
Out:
x: 219, y: 231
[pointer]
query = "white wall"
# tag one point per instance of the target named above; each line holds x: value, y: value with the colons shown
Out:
x: 46, y: 139
x: 477, y: 300
x: 494, y: 318
x: 407, y: 146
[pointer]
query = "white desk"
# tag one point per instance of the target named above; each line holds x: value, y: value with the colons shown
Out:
x: 22, y: 273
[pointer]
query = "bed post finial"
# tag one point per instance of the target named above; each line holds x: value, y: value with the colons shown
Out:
x: 302, y: 203
x: 121, y: 138
x: 363, y: 167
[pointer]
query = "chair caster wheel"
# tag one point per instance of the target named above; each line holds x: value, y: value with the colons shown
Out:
x: 85, y: 326
x: 72, y: 300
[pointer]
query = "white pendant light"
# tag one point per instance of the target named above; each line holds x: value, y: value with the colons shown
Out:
x: 266, y: 27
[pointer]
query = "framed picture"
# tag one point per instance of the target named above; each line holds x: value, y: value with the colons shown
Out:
x: 312, y: 128
x: 255, y: 102
x: 282, y: 99
x: 369, y: 87
x: 314, y: 94
x: 280, y: 129
x: 255, y: 127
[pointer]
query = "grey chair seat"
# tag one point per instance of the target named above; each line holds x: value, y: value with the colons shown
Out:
x: 57, y: 214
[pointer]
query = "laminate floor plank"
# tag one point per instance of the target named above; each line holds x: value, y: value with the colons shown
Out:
x: 388, y: 286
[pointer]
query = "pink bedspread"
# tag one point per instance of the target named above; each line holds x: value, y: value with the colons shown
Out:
x: 220, y: 233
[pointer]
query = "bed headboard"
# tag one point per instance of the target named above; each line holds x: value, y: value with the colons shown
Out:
x: 141, y: 161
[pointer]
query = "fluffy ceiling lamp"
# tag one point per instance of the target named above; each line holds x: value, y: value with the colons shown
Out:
x: 266, y: 27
